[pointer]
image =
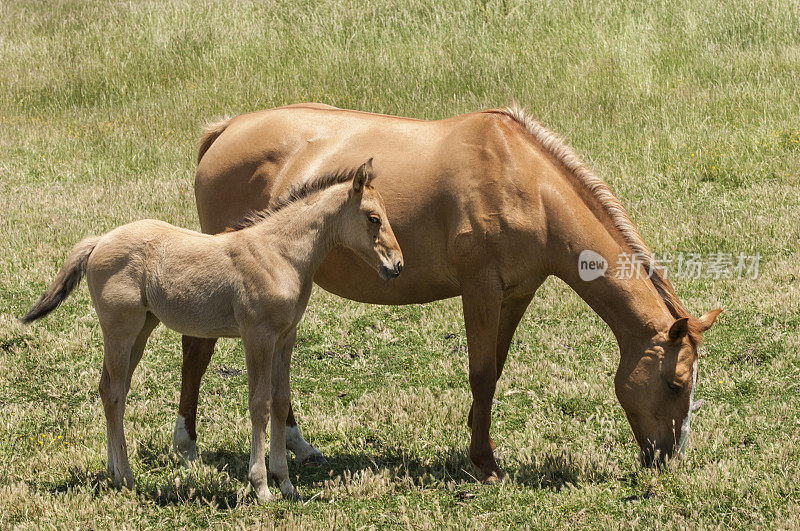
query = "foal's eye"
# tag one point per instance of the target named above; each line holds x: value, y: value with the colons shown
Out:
x: 375, y: 219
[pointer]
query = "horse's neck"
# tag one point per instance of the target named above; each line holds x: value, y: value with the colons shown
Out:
x: 303, y: 232
x: 623, y: 297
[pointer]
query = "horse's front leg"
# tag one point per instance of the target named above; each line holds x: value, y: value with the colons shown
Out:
x: 482, y: 296
x: 278, y: 467
x: 511, y: 312
x: 259, y: 347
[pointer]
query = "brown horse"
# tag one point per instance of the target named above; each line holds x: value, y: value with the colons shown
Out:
x: 486, y: 206
x: 252, y: 283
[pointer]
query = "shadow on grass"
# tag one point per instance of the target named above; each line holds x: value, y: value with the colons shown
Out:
x: 221, y: 478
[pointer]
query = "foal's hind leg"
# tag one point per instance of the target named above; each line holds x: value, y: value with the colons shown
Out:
x: 150, y: 323
x: 120, y: 334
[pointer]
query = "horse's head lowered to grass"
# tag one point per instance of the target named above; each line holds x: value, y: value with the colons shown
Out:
x: 658, y: 339
x: 655, y: 385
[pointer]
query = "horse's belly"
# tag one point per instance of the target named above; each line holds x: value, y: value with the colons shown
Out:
x: 343, y: 273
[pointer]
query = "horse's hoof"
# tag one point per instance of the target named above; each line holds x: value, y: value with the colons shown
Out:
x: 187, y: 456
x: 494, y: 478
x: 182, y: 443
x: 292, y: 495
x: 315, y: 461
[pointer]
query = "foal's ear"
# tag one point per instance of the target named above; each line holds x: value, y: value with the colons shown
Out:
x: 679, y: 329
x: 363, y: 176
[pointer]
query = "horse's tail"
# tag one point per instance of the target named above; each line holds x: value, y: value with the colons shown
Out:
x: 67, y: 280
x: 210, y: 133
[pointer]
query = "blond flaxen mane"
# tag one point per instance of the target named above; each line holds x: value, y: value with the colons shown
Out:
x: 563, y: 153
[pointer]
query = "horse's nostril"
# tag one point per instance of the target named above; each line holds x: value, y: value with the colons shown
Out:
x: 398, y: 267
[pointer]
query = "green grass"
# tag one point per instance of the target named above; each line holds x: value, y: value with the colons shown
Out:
x: 688, y: 109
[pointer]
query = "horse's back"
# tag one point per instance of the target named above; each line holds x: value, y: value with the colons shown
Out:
x: 262, y: 154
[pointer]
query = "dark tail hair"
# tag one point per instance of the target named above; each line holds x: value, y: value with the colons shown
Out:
x: 67, y: 280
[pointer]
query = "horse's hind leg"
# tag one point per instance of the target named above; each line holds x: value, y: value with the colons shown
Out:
x: 120, y: 334
x: 197, y: 354
x: 304, y: 453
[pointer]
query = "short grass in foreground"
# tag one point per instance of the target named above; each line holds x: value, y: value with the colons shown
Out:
x: 688, y: 110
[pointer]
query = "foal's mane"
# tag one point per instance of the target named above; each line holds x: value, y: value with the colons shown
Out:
x: 296, y: 193
x: 564, y: 154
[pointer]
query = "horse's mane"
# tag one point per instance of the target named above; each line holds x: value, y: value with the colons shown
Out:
x: 296, y: 193
x: 564, y: 154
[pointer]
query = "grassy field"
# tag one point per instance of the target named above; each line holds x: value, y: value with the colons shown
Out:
x: 689, y: 109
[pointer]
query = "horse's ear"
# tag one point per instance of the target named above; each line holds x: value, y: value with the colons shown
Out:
x: 362, y: 176
x: 708, y: 319
x: 679, y: 329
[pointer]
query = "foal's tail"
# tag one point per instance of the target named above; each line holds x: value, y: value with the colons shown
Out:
x: 67, y: 280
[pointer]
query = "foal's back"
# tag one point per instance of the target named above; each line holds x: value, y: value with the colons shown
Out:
x: 184, y: 278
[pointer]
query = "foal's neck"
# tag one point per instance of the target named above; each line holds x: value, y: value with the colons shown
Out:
x: 304, y: 231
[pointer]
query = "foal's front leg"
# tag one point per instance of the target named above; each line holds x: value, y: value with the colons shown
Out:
x: 278, y: 467
x: 259, y: 346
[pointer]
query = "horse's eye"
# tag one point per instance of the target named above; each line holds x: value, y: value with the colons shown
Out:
x: 375, y: 219
x: 674, y: 387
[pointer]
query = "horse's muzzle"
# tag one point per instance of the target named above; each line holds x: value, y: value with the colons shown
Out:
x: 392, y: 272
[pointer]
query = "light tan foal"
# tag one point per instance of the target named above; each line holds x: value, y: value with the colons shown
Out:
x: 253, y: 283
